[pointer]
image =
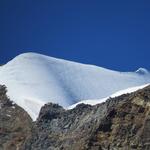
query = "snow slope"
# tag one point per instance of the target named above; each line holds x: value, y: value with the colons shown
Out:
x: 119, y: 93
x: 34, y: 79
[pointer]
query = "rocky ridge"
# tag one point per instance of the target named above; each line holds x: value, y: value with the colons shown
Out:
x: 121, y: 123
x: 15, y: 123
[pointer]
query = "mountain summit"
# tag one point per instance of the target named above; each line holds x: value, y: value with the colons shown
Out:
x: 34, y: 79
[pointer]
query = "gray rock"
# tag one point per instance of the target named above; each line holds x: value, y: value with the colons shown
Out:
x: 121, y: 123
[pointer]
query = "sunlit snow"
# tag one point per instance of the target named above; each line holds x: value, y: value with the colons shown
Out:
x: 33, y: 80
x: 97, y: 101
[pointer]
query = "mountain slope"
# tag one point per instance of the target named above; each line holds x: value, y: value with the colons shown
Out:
x: 118, y: 93
x: 33, y: 80
x: 121, y: 123
x: 15, y: 123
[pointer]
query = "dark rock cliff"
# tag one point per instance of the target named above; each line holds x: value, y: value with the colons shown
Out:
x: 121, y: 123
x: 15, y: 123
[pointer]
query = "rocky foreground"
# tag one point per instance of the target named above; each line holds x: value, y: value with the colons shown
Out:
x: 121, y: 123
x: 15, y: 123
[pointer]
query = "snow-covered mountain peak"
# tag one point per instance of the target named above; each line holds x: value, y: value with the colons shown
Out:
x: 31, y: 56
x: 34, y: 79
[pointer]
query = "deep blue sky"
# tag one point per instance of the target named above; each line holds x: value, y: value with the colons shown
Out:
x: 111, y: 33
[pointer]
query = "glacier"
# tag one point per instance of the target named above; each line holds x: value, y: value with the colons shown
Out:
x: 34, y: 79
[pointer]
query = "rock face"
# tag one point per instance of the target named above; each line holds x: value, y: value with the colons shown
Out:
x: 121, y: 123
x: 15, y: 123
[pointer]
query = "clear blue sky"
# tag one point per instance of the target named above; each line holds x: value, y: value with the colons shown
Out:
x: 111, y: 33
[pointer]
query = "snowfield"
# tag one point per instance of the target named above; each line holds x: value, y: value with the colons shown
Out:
x: 34, y: 79
x: 119, y: 93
